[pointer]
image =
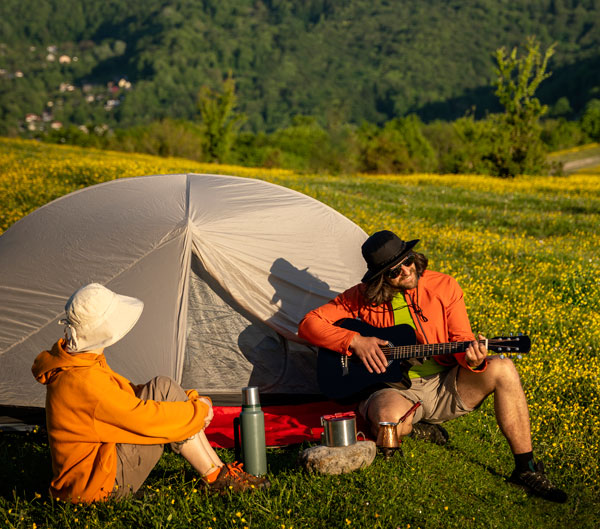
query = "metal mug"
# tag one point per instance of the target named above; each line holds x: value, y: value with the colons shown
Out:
x: 339, y: 429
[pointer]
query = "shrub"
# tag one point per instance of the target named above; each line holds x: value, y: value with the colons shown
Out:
x: 558, y: 134
x: 167, y: 137
x: 400, y: 147
x: 590, y: 121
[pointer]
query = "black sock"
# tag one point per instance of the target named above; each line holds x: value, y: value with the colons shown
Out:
x: 524, y: 462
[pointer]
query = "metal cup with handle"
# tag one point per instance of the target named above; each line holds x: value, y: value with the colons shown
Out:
x: 339, y: 429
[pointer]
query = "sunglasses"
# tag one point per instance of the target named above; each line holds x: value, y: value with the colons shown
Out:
x: 393, y: 273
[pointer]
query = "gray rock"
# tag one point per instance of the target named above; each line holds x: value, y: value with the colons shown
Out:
x: 338, y: 459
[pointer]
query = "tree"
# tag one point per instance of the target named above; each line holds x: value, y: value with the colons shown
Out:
x: 219, y: 119
x: 518, y: 148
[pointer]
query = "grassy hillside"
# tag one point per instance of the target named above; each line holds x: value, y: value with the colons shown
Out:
x: 525, y: 252
x: 126, y: 63
x: 584, y: 159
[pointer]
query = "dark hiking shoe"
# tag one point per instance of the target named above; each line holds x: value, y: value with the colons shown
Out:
x: 233, y: 478
x: 433, y: 433
x: 536, y: 482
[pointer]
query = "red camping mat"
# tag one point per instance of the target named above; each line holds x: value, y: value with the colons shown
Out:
x: 284, y: 425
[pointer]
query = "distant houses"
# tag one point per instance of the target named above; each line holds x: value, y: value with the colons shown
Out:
x: 109, y: 96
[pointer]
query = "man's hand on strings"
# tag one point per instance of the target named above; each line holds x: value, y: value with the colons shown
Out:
x: 367, y: 348
x: 476, y: 353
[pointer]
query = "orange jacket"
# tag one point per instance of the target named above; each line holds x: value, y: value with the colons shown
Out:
x: 89, y: 409
x: 439, y: 297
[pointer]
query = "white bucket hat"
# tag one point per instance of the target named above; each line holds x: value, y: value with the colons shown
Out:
x: 97, y: 317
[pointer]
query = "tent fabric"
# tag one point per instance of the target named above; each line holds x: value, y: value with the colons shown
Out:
x: 226, y: 267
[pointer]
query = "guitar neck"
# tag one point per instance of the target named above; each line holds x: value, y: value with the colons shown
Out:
x: 425, y: 350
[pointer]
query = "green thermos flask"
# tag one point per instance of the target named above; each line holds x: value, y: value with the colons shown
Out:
x: 252, y: 432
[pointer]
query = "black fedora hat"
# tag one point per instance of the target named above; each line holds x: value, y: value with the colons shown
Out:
x: 382, y: 250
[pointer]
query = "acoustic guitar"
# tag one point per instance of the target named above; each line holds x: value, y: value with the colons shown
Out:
x: 342, y: 378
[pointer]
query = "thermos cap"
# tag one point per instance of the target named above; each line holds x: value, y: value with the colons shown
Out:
x: 250, y: 396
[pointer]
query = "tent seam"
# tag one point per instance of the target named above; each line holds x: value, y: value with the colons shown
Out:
x: 181, y: 336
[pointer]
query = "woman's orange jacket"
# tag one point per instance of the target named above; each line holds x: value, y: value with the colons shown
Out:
x: 439, y: 297
x: 89, y: 409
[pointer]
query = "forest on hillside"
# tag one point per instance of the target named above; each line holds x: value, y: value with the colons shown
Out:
x: 115, y: 64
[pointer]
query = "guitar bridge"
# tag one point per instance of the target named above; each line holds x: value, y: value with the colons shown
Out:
x: 344, y: 362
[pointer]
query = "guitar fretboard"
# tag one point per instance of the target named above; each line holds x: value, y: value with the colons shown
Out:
x: 424, y: 350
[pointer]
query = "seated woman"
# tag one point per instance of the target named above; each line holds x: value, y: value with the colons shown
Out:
x: 106, y: 434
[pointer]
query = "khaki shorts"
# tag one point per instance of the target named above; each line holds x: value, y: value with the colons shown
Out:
x: 135, y: 462
x: 439, y: 398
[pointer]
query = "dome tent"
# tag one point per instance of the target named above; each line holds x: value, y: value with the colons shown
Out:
x: 226, y: 268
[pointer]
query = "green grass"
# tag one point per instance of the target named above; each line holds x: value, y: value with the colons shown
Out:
x: 427, y: 486
x: 526, y: 254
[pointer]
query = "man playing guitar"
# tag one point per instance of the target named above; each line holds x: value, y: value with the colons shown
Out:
x: 399, y: 290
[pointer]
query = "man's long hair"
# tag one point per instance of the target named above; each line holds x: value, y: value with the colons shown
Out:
x: 379, y: 291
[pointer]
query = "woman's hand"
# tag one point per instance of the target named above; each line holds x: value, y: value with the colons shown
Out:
x: 209, y: 414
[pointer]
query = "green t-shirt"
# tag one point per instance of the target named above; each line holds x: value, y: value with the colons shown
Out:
x: 402, y: 315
